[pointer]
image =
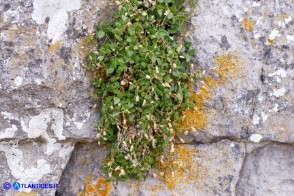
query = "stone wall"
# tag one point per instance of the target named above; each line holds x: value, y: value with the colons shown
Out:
x: 242, y: 138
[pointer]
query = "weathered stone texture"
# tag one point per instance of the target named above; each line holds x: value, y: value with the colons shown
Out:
x: 85, y: 163
x: 258, y: 100
x: 216, y: 168
x: 268, y: 171
x: 44, y: 108
x: 245, y: 147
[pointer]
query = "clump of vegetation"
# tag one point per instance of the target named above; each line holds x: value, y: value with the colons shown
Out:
x: 141, y: 74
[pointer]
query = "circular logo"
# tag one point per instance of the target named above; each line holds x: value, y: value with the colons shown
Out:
x: 6, y: 185
x: 16, y: 185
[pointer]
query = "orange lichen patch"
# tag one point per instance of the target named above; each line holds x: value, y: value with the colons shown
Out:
x: 270, y: 41
x: 179, y: 167
x: 248, y: 24
x: 90, y: 188
x: 25, y: 194
x: 54, y: 47
x: 227, y: 66
x: 194, y: 117
x: 102, y: 187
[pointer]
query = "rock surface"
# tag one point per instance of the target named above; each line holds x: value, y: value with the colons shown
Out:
x: 243, y: 144
x: 263, y: 176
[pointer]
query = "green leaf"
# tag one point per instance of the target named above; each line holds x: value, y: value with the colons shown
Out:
x: 124, y: 18
x: 180, y: 96
x: 170, y: 15
x: 192, y: 52
x: 188, y: 44
x: 188, y: 58
x: 100, y: 34
x: 109, y: 70
x: 159, y: 12
x: 140, y: 63
x: 116, y: 100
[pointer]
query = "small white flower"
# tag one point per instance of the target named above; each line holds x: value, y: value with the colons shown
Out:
x: 144, y: 14
x: 120, y: 171
x: 172, y: 149
x: 181, y: 139
x: 167, y: 85
x: 98, y: 135
x: 146, y: 136
x: 122, y: 83
x: 193, y: 129
x: 156, y: 69
x: 147, y: 76
x: 166, y: 12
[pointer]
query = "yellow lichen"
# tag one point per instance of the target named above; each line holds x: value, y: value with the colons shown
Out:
x: 54, y: 47
x: 155, y: 188
x: 179, y: 167
x: 25, y: 194
x: 194, y: 117
x: 90, y: 188
x: 100, y: 188
x: 86, y: 45
x: 248, y: 24
x: 270, y: 41
x: 227, y: 65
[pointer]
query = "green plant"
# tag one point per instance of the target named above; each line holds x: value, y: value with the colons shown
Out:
x: 141, y: 75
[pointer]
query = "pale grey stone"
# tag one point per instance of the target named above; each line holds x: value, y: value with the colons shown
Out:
x: 45, y: 109
x: 268, y: 171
